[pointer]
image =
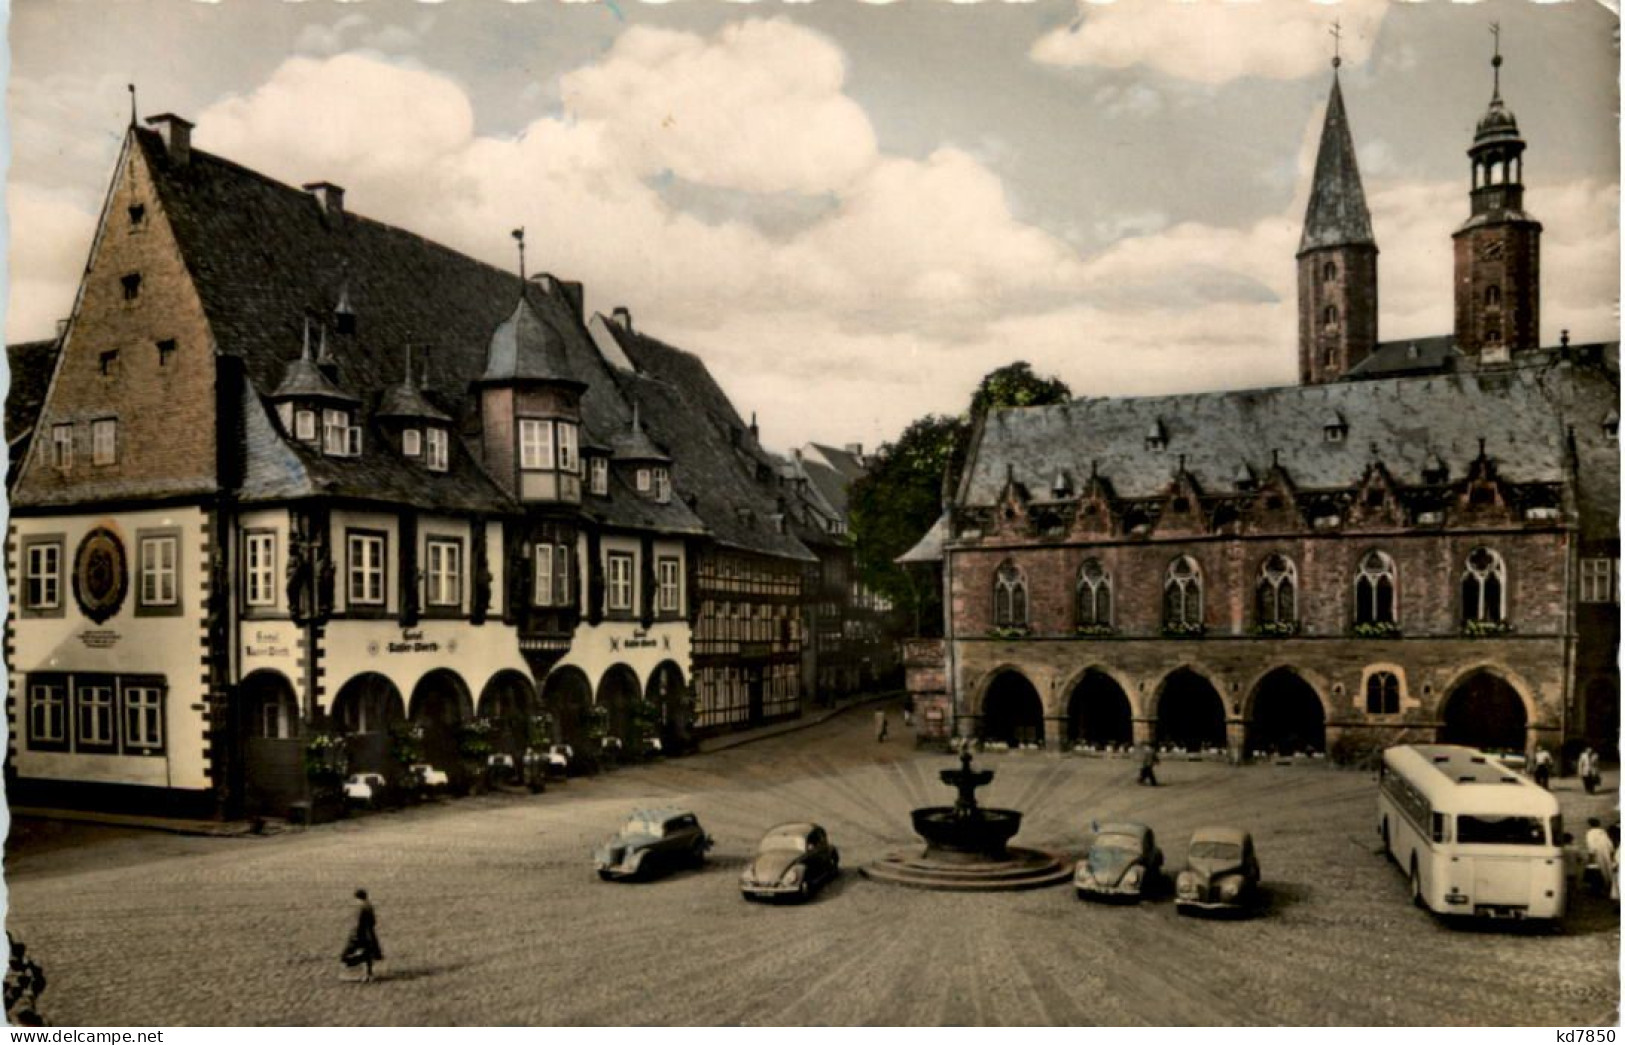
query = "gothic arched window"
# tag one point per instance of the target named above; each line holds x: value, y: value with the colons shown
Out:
x: 1009, y: 597
x: 1182, y: 594
x: 1382, y: 693
x: 1483, y: 587
x: 1374, y: 591
x: 1492, y: 296
x: 1329, y: 271
x: 1329, y: 316
x: 1094, y: 595
x: 1277, y: 591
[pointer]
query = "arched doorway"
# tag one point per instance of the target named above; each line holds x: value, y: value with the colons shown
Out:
x: 1099, y: 712
x: 1012, y: 711
x: 1190, y: 713
x: 440, y: 707
x: 619, y: 695
x: 507, y: 703
x: 365, y: 709
x: 1288, y: 717
x: 566, y: 696
x: 1602, y: 716
x: 1485, y: 712
x: 273, y: 753
x: 668, y: 696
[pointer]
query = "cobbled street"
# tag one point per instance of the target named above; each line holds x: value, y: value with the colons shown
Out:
x: 489, y: 911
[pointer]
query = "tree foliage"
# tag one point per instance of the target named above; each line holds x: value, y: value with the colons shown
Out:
x: 901, y: 495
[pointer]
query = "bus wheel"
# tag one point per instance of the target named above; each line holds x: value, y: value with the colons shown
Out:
x: 1416, y: 886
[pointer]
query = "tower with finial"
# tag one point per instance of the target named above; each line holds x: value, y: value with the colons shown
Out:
x: 1337, y: 254
x: 1497, y: 249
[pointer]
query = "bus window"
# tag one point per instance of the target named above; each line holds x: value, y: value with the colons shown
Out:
x: 1439, y: 832
x: 1500, y: 830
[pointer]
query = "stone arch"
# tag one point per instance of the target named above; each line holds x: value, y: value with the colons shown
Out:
x: 619, y: 693
x: 270, y: 705
x: 1190, y: 711
x: 1012, y: 710
x: 439, y: 709
x: 1483, y: 708
x: 1099, y: 710
x: 668, y: 694
x: 566, y: 696
x: 1316, y: 683
x: 365, y: 709
x: 1517, y: 682
x: 507, y: 701
x: 273, y: 753
x: 1067, y: 685
x: 1286, y: 714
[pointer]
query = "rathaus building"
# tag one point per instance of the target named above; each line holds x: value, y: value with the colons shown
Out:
x: 1418, y: 541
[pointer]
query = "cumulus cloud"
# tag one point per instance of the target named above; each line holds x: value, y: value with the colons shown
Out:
x: 1212, y: 41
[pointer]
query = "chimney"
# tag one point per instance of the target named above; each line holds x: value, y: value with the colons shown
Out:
x: 623, y: 316
x: 177, y: 135
x: 855, y: 449
x: 329, y: 197
x: 755, y: 432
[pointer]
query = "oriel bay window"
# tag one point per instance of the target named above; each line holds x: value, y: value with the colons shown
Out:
x: 552, y: 587
x: 569, y: 458
x: 619, y: 593
x: 444, y: 577
x: 364, y: 563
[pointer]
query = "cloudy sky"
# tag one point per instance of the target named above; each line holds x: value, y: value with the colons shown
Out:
x: 852, y: 211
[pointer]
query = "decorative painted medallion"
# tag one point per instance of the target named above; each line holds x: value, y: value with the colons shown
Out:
x: 101, y: 574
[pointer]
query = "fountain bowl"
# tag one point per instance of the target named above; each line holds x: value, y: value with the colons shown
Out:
x: 982, y: 835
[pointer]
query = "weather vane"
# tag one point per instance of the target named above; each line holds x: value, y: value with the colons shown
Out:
x: 519, y: 237
x: 1337, y: 42
x: 1495, y: 63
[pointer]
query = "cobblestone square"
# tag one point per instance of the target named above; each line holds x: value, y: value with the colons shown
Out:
x: 489, y: 912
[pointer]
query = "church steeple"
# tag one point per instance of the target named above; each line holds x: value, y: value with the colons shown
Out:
x: 1337, y: 257
x: 1497, y: 249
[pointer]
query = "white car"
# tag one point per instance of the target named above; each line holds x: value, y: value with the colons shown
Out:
x: 364, y: 788
x: 428, y: 776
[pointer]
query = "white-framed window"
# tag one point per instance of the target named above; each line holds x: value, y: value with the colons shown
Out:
x: 670, y: 587
x: 62, y: 447
x: 48, y: 712
x: 335, y: 433
x: 104, y: 441
x: 1597, y: 580
x: 143, y: 717
x: 569, y: 459
x: 412, y: 442
x: 599, y: 469
x: 445, y: 576
x: 366, y: 568
x: 42, y: 576
x: 645, y: 480
x: 552, y: 575
x: 158, y: 571
x: 259, y: 568
x: 438, y: 443
x: 535, y: 444
x: 1484, y: 587
x: 95, y: 705
x: 662, y: 481
x: 620, y: 581
x: 304, y: 425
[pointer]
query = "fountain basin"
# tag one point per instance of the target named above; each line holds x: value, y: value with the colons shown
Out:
x: 980, y: 835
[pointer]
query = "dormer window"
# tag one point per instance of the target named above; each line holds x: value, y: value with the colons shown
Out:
x: 1335, y: 433
x: 662, y: 484
x: 645, y: 479
x: 412, y: 442
x: 535, y: 444
x: 1156, y: 438
x: 335, y: 432
x: 437, y: 443
x: 599, y: 469
x: 304, y: 425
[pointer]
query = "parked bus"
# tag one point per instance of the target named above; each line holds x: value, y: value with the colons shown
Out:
x: 1475, y: 838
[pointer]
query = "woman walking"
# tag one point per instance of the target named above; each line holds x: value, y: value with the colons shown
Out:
x: 362, y: 948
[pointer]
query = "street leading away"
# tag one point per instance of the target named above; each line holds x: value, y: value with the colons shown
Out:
x: 489, y: 911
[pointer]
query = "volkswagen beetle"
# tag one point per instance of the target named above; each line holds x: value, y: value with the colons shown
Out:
x: 1221, y: 871
x: 1122, y: 863
x: 652, y: 841
x: 793, y: 860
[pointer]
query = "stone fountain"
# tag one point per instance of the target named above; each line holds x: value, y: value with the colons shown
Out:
x: 967, y: 845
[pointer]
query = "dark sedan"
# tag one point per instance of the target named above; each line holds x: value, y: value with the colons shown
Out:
x: 652, y: 841
x: 1221, y: 871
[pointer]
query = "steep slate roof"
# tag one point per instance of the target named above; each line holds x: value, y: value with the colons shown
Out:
x: 1401, y: 422
x: 31, y: 364
x: 1337, y: 214
x: 1408, y: 357
x: 525, y: 347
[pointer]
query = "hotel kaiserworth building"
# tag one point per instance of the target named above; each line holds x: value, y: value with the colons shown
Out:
x: 1419, y: 541
x: 296, y: 473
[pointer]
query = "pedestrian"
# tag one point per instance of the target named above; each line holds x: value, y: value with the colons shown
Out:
x: 25, y: 982
x: 1543, y: 767
x: 1590, y: 769
x: 1148, y: 765
x: 1602, y: 853
x: 362, y: 947
x: 880, y: 726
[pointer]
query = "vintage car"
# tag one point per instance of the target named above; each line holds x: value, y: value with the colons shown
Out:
x: 793, y: 860
x: 1221, y: 871
x: 652, y: 841
x: 1123, y: 861
x: 365, y: 789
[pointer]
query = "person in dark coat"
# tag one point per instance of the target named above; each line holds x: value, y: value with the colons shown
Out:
x: 1148, y: 765
x: 362, y: 947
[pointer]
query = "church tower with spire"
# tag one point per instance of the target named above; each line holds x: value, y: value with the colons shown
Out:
x: 1497, y: 249
x: 1337, y: 258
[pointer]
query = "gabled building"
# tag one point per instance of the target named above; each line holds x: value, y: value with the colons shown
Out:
x: 1417, y: 542
x: 308, y: 494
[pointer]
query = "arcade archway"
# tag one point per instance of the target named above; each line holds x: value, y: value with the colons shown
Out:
x: 365, y: 709
x: 440, y: 706
x: 273, y: 753
x: 619, y: 695
x: 507, y: 702
x: 1288, y: 717
x: 1012, y: 711
x: 668, y: 695
x: 566, y: 696
x: 1190, y: 713
x: 1098, y: 712
x: 1485, y: 712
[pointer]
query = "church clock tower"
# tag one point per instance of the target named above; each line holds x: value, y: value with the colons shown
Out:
x: 1497, y: 248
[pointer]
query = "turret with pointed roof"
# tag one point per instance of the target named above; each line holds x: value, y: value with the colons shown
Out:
x: 1337, y: 258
